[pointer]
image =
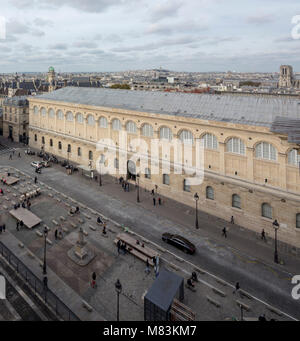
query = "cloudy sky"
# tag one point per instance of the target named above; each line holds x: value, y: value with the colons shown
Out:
x: 116, y: 35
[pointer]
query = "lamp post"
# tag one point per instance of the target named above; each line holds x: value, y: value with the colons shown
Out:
x: 276, y: 227
x: 118, y: 287
x: 45, y: 265
x: 100, y: 179
x: 138, y: 188
x: 196, y: 197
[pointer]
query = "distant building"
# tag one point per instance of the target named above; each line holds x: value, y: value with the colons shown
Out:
x: 287, y: 79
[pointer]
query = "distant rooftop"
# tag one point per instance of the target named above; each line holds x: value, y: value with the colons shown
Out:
x: 16, y: 100
x: 251, y: 110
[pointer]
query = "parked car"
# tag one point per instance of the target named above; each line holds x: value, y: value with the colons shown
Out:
x: 180, y: 242
x: 37, y: 164
x: 45, y: 164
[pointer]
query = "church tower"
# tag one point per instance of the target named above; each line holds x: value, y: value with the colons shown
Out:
x: 286, y: 76
x: 51, y: 78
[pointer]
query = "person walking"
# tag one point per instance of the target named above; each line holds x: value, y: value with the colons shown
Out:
x: 104, y: 229
x: 263, y: 235
x: 154, y: 201
x: 237, y: 288
x: 224, y: 232
x: 3, y: 227
x: 232, y: 220
x: 159, y: 201
x: 35, y: 179
x: 94, y: 277
x: 55, y: 234
x: 119, y: 246
x: 18, y: 225
x: 21, y: 223
x: 10, y: 156
x: 29, y: 205
x: 19, y: 155
x: 147, y: 270
x: 45, y: 280
x: 152, y: 192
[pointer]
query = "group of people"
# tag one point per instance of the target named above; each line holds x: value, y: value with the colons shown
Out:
x: 19, y: 224
x: 154, y: 199
x: 13, y: 153
x: 74, y: 211
x: 121, y: 247
x: 58, y: 234
x: 124, y: 184
x: 192, y: 279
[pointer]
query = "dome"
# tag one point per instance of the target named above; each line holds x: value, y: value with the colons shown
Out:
x: 51, y: 69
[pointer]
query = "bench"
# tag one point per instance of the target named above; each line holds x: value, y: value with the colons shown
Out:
x: 93, y: 228
x: 214, y: 302
x: 219, y: 292
x: 242, y: 305
x: 87, y: 306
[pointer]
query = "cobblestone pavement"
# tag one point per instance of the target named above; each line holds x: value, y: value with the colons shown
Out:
x: 53, y: 206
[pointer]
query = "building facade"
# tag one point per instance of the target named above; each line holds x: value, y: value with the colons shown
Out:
x: 287, y: 79
x: 249, y: 172
x: 15, y: 113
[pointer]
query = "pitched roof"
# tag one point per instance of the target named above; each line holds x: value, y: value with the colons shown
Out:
x: 251, y: 110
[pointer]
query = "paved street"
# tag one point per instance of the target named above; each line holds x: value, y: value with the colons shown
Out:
x: 242, y: 257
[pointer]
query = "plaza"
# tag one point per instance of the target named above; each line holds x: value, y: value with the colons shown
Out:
x: 213, y: 299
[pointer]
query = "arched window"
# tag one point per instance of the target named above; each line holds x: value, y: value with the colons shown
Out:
x: 236, y: 145
x: 210, y: 141
x: 236, y: 201
x: 186, y: 185
x: 43, y: 112
x: 51, y: 143
x: 266, y: 211
x: 293, y: 157
x: 165, y: 133
x: 35, y: 110
x: 79, y: 117
x: 147, y: 173
x: 35, y: 137
x: 90, y: 155
x: 131, y: 127
x: 60, y: 115
x: 147, y: 130
x: 43, y: 140
x: 69, y: 148
x: 79, y: 151
x: 51, y: 113
x: 298, y: 221
x: 166, y: 179
x: 69, y: 116
x: 186, y: 137
x: 265, y: 150
x: 103, y: 122
x: 90, y: 120
x: 210, y: 194
x: 116, y: 163
x: 116, y: 124
x: 59, y: 145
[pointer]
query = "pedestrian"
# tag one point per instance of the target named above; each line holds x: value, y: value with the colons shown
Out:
x: 23, y: 204
x: 154, y: 201
x: 0, y: 229
x: 29, y: 205
x: 152, y: 192
x: 262, y: 318
x: 224, y: 232
x: 147, y: 270
x: 19, y: 155
x: 3, y: 227
x: 119, y: 246
x: 18, y: 225
x: 45, y: 280
x: 104, y: 229
x: 10, y: 156
x: 93, y: 283
x: 21, y: 223
x: 159, y: 201
x: 194, y: 277
x: 263, y: 235
x: 237, y: 287
x: 35, y: 179
x: 190, y: 282
x: 232, y: 220
x: 55, y: 234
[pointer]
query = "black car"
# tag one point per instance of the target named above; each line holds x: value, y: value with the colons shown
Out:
x: 180, y: 242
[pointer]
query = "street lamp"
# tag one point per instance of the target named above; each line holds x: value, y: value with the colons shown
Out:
x: 138, y: 188
x: 276, y: 227
x: 44, y: 265
x: 196, y: 197
x: 118, y: 287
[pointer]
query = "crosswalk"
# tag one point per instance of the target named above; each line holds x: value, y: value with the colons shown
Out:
x: 5, y: 149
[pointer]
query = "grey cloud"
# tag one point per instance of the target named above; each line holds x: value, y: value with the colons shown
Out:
x: 85, y: 44
x: 42, y: 22
x: 166, y: 10
x: 260, y: 19
x: 172, y: 28
x: 59, y: 46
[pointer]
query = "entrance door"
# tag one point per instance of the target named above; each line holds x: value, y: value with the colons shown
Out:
x: 131, y: 170
x: 10, y: 132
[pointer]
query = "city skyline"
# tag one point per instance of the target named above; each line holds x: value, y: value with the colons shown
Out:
x: 192, y: 36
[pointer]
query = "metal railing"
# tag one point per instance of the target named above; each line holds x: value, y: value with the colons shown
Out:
x: 37, y: 285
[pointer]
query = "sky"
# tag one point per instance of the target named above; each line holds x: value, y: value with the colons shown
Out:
x: 120, y: 35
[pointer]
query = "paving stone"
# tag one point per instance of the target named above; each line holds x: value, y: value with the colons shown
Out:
x: 55, y: 222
